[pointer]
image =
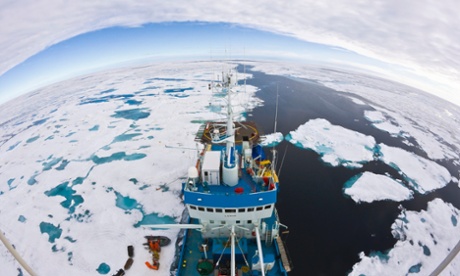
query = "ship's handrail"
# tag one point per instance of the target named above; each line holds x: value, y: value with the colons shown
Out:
x: 184, y: 219
x: 276, y: 214
x: 227, y: 199
x: 251, y: 187
x: 221, y: 138
x: 285, y: 259
x: 227, y: 193
x: 220, y: 135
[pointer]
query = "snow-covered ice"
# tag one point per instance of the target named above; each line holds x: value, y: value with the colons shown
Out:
x: 430, y: 121
x: 339, y: 146
x: 369, y: 187
x: 425, y: 239
x: 374, y: 116
x: 85, y: 162
x: 380, y: 121
x: 357, y: 101
x: 272, y: 139
x: 423, y: 175
x: 336, y: 145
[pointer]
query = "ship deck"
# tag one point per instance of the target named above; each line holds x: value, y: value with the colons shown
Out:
x: 192, y: 254
x: 246, y: 185
x: 242, y: 129
x: 245, y: 193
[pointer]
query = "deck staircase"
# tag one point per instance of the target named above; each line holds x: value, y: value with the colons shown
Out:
x: 199, y: 133
x: 268, y: 238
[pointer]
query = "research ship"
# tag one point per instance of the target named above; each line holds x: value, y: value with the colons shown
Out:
x: 230, y: 195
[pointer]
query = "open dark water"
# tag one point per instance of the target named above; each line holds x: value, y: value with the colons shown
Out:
x: 327, y: 230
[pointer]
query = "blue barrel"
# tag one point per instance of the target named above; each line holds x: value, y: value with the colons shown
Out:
x: 258, y: 151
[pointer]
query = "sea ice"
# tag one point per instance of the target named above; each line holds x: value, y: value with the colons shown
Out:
x: 389, y: 127
x: 357, y: 101
x: 423, y: 175
x: 430, y: 121
x: 89, y: 160
x: 272, y: 140
x: 339, y: 146
x: 369, y: 187
x: 336, y: 145
x: 380, y: 121
x: 425, y: 238
x: 374, y: 116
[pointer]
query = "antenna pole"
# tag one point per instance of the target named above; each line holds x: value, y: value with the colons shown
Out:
x: 244, y: 68
x: 16, y: 255
x: 276, y: 109
x: 274, y: 128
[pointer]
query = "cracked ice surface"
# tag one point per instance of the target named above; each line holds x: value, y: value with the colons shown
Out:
x: 84, y: 163
x: 338, y: 146
x: 425, y: 239
x: 430, y: 121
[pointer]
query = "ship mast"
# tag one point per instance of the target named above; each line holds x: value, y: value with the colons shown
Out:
x: 230, y: 165
x: 274, y: 131
x: 230, y: 128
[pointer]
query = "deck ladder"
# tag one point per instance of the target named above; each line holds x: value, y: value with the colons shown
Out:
x: 268, y: 238
x: 199, y: 133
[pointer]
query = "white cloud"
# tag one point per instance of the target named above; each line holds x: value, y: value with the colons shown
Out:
x: 420, y: 35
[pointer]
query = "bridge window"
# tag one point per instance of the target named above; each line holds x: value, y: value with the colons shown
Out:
x: 192, y: 207
x: 201, y: 209
x: 267, y: 206
x: 218, y: 210
x: 250, y: 209
x: 259, y: 208
x: 249, y: 221
x: 238, y: 221
x: 210, y: 210
x: 242, y: 210
x: 230, y: 210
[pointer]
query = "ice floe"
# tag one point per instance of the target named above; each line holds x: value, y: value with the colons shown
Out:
x: 423, y: 175
x: 272, y: 140
x: 425, y: 238
x: 357, y: 101
x: 335, y: 144
x: 338, y: 146
x: 374, y: 116
x: 380, y: 121
x: 369, y: 187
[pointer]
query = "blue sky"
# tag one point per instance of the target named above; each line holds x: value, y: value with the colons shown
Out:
x: 413, y: 42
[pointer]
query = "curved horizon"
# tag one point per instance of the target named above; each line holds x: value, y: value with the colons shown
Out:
x: 414, y: 45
